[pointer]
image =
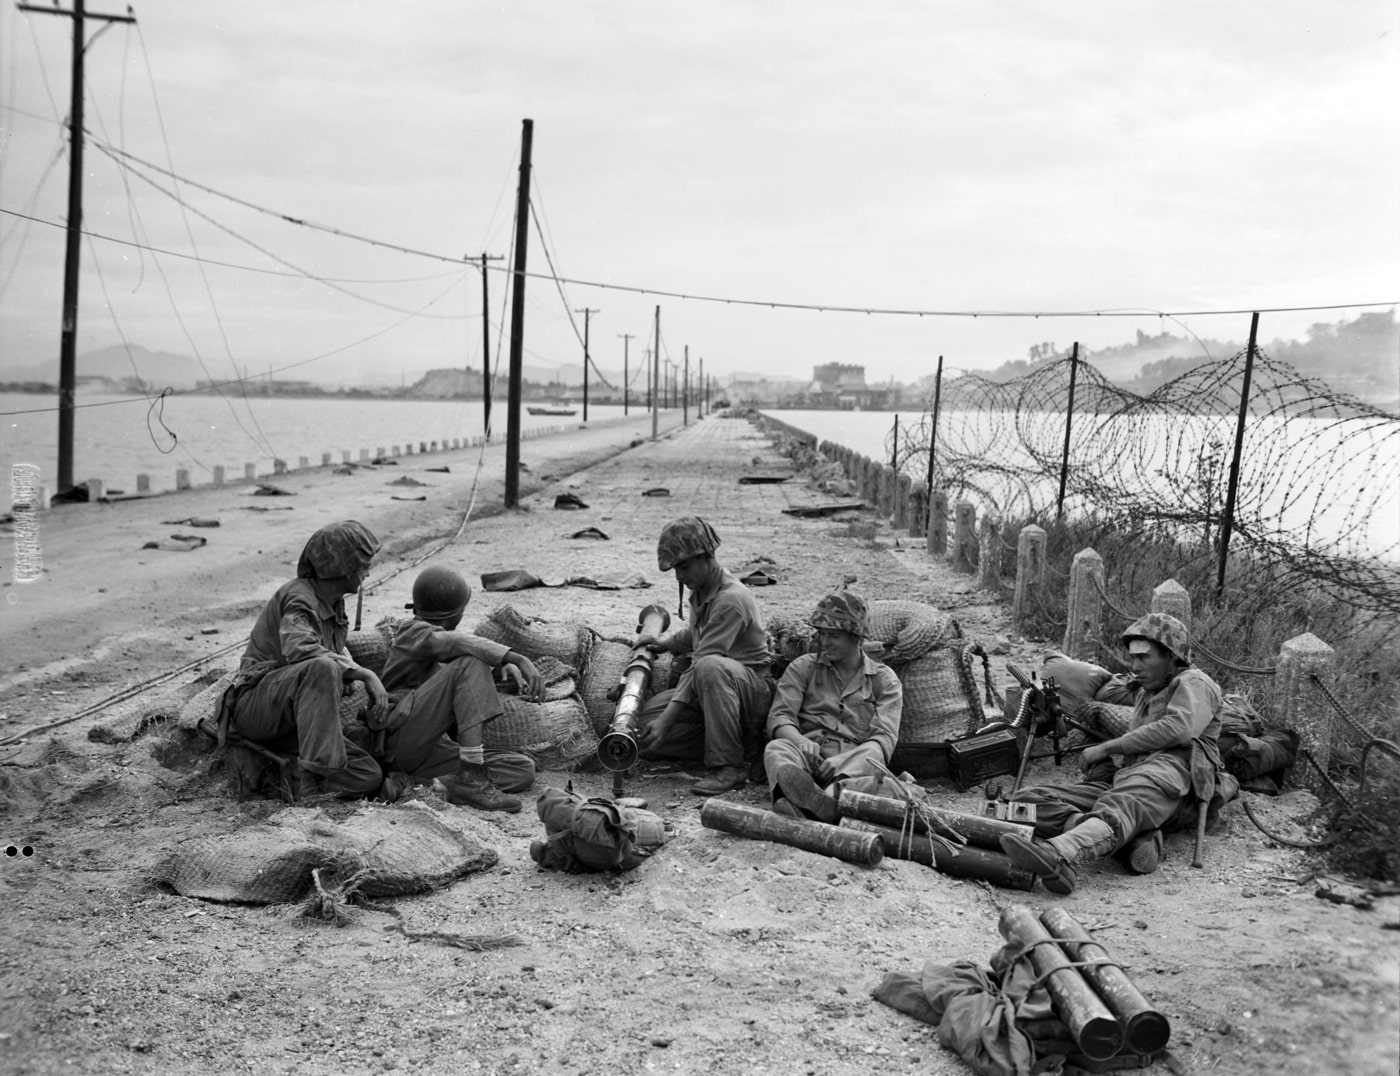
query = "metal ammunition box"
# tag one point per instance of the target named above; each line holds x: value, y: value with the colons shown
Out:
x: 983, y: 754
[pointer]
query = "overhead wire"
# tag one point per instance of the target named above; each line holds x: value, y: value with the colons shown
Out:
x: 776, y: 304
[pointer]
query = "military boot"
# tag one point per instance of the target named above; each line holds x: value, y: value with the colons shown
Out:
x: 1053, y: 861
x: 471, y: 786
x: 1145, y: 852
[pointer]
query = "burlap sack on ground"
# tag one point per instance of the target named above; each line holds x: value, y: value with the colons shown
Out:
x: 535, y: 638
x: 201, y: 711
x: 557, y: 734
x: 390, y: 849
x: 606, y: 661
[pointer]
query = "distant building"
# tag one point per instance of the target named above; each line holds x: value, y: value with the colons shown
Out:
x: 840, y: 386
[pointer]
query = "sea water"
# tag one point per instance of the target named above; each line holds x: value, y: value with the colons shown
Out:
x: 115, y: 438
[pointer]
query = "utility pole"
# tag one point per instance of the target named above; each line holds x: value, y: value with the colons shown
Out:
x: 68, y: 338
x: 517, y: 319
x: 625, y: 338
x: 486, y: 345
x: 656, y: 375
x: 685, y: 390
x: 702, y: 396
x: 586, y: 313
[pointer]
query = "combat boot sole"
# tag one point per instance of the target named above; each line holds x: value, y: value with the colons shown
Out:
x: 799, y: 787
x: 1041, y: 860
x: 1145, y: 853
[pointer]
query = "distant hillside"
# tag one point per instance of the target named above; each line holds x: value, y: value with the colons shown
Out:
x: 1361, y: 356
x: 157, y: 369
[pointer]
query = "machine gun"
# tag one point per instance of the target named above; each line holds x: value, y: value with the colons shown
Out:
x: 1040, y: 714
x: 618, y: 750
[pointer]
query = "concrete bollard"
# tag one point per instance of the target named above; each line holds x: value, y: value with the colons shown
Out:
x: 422, y: 446
x: 1302, y: 706
x: 279, y: 467
x: 396, y: 453
x: 250, y: 472
x: 182, y: 480
x: 888, y: 481
x: 1030, y: 569
x: 143, y: 483
x: 97, y: 490
x: 364, y: 455
x: 937, y: 544
x: 345, y: 455
x: 218, y: 474
x: 1171, y: 598
x: 918, y: 512
x: 1084, y: 613
x: 989, y: 553
x: 965, y: 537
x: 303, y: 462
x: 903, y: 484
x: 325, y: 459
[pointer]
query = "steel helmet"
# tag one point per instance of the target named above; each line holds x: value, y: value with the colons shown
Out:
x: 680, y: 539
x: 842, y: 611
x: 1163, y: 629
x: 439, y: 593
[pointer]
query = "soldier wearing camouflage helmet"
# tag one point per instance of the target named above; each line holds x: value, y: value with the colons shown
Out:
x: 1153, y: 777
x: 835, y: 716
x: 715, y: 712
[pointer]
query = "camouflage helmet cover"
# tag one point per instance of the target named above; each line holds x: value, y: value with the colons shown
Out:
x: 689, y: 536
x: 841, y: 611
x: 1163, y: 629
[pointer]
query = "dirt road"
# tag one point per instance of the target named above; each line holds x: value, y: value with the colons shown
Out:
x: 720, y: 955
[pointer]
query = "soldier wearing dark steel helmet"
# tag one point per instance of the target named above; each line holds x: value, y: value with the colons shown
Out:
x: 1169, y: 761
x: 287, y: 690
x: 835, y: 716
x: 715, y: 713
x: 440, y: 681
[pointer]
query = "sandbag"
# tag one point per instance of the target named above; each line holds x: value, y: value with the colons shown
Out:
x: 370, y: 648
x: 389, y: 849
x: 1078, y: 682
x: 556, y: 733
x: 943, y: 698
x: 909, y: 629
x: 536, y: 638
x: 201, y: 712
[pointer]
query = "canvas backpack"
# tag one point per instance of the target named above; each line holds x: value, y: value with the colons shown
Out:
x: 594, y: 834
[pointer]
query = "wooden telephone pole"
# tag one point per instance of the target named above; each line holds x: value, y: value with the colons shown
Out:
x: 486, y: 345
x: 67, y: 354
x: 625, y: 338
x: 656, y: 376
x: 587, y: 313
x: 517, y: 319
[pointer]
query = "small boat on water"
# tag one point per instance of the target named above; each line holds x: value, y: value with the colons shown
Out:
x: 551, y: 410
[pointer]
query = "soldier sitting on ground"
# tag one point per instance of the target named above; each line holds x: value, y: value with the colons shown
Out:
x: 835, y: 717
x: 287, y: 690
x: 1169, y: 763
x: 719, y: 705
x: 442, y: 695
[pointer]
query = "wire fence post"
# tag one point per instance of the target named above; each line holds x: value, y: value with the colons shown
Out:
x: 933, y: 435
x: 894, y: 447
x: 1227, y: 521
x: 1069, y: 425
x: 1298, y: 705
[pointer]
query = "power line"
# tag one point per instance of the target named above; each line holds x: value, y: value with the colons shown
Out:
x: 775, y: 304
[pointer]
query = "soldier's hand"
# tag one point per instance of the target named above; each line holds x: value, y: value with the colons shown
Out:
x: 651, y: 642
x: 378, y: 697
x: 528, y: 681
x: 826, y: 773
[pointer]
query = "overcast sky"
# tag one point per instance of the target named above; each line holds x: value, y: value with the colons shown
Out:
x: 925, y: 156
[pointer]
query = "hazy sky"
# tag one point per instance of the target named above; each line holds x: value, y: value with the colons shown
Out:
x: 953, y: 156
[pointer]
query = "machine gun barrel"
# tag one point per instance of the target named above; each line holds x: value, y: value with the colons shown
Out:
x: 618, y: 749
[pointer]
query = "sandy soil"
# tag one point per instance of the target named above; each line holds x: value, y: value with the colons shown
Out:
x: 719, y: 955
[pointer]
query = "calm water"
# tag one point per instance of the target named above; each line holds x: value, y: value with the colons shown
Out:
x: 118, y: 437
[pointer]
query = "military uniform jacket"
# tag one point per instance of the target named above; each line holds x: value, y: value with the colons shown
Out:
x: 858, y: 713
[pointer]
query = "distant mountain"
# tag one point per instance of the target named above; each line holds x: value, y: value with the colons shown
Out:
x: 157, y: 369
